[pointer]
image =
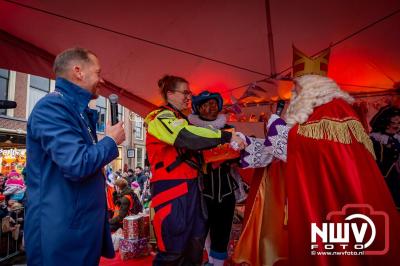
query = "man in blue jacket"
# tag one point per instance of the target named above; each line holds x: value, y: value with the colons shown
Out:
x: 66, y: 217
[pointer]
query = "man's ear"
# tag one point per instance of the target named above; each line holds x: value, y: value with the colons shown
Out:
x: 77, y: 72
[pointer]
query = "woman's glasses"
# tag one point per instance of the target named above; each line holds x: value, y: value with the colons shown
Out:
x: 185, y: 93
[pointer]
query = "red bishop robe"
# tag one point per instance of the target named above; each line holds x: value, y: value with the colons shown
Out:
x: 330, y: 164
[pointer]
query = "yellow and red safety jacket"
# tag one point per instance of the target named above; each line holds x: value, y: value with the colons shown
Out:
x: 171, y: 142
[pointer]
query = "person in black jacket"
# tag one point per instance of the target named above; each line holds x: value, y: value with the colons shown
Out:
x: 386, y: 139
x: 219, y: 184
x: 131, y: 177
x: 140, y: 177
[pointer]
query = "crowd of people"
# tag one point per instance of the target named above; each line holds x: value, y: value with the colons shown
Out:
x: 128, y: 194
x: 12, y: 201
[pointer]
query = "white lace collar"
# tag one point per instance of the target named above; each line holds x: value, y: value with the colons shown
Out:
x: 383, y: 138
x: 216, y: 124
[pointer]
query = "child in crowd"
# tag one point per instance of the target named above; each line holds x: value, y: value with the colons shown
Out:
x: 136, y: 188
x: 15, y: 186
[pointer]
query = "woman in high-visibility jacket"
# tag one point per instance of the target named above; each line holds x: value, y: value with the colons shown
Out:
x: 172, y: 145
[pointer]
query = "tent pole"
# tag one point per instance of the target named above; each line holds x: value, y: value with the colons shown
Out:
x: 270, y: 39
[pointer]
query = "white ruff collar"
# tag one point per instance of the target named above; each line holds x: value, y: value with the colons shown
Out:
x: 216, y: 124
x: 383, y: 138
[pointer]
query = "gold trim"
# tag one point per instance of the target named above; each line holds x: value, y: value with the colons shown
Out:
x: 338, y: 131
x: 312, y: 65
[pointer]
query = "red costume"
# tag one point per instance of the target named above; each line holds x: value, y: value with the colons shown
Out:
x: 338, y: 202
x: 330, y: 164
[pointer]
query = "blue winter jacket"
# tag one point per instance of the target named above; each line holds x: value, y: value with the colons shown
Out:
x: 66, y: 218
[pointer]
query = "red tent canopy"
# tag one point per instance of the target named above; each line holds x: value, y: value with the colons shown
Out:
x: 217, y: 45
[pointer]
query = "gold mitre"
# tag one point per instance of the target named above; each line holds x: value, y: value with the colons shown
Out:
x: 305, y: 65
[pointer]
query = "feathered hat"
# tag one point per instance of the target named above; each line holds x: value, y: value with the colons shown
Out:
x: 203, y: 97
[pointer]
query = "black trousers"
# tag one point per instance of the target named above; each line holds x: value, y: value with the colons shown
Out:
x: 393, y: 182
x: 220, y: 216
x: 192, y: 256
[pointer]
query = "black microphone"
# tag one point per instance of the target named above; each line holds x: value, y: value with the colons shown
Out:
x: 114, y: 108
x: 279, y: 107
x: 4, y: 104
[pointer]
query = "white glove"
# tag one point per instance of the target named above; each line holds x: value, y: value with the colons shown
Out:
x: 234, y: 145
x: 241, y: 135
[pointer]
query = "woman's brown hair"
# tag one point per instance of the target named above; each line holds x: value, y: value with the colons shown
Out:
x: 169, y: 83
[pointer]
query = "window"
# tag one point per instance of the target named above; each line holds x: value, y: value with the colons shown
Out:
x: 120, y: 112
x: 4, y: 78
x: 101, y: 106
x: 38, y: 88
x: 138, y: 127
x: 117, y: 163
x: 139, y: 157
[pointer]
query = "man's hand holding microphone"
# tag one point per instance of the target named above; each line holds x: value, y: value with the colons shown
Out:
x: 116, y: 132
x: 115, y: 129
